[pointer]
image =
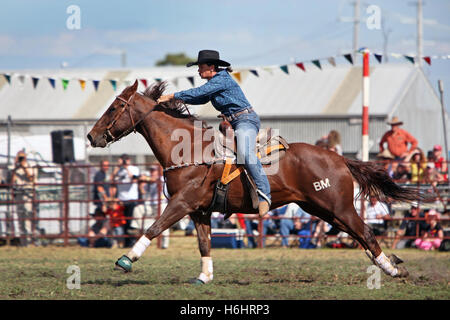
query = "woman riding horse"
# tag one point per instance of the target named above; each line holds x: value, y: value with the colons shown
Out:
x: 227, y: 97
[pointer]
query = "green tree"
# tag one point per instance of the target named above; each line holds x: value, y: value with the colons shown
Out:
x: 174, y: 59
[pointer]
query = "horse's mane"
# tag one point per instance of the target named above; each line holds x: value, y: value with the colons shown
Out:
x: 175, y: 108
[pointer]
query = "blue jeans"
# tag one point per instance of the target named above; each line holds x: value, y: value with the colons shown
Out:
x: 286, y: 226
x: 246, y: 128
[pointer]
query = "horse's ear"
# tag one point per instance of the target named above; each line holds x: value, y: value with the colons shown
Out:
x: 135, y: 85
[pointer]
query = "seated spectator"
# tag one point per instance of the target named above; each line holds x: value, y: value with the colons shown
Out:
x: 417, y: 166
x: 397, y: 140
x: 99, y: 229
x: 439, y: 162
x: 306, y: 228
x: 401, y: 174
x: 409, y: 228
x: 286, y: 222
x: 432, y: 176
x: 432, y: 233
x: 269, y: 227
x: 376, y: 213
x: 115, y: 212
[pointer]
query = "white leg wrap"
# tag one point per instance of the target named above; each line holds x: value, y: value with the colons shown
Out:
x: 139, y: 247
x: 386, y: 265
x: 207, y: 270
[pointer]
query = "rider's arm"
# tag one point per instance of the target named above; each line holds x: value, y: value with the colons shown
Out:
x: 201, y: 94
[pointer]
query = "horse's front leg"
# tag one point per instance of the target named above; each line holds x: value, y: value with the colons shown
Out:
x: 177, y: 208
x: 203, y: 227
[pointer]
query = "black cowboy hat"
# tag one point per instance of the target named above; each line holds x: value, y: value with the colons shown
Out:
x: 209, y: 56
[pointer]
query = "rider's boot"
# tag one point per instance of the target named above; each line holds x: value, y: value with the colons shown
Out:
x: 263, y: 208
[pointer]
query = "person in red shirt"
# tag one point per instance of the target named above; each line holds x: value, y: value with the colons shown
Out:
x: 117, y: 220
x: 397, y: 140
x: 439, y: 162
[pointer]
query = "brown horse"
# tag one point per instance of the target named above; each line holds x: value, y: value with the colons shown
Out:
x: 319, y: 181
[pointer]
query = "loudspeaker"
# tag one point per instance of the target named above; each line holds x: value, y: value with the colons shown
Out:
x: 62, y: 146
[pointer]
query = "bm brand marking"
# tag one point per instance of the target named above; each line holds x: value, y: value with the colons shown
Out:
x: 320, y: 185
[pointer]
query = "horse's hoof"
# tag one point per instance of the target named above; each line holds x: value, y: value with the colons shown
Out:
x: 395, y: 260
x: 196, y: 281
x: 402, y: 272
x: 123, y: 264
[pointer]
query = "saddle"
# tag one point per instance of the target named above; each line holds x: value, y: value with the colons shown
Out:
x: 270, y: 148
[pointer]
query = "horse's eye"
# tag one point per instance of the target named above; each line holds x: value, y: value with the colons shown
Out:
x: 112, y: 109
x: 122, y: 105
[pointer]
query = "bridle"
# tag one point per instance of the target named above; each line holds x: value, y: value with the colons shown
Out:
x: 126, y: 105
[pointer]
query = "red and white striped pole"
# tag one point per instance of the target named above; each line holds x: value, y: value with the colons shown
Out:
x: 365, y: 111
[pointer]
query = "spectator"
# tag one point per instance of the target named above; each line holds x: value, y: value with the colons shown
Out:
x: 417, y: 166
x: 402, y: 173
x: 432, y: 233
x: 334, y: 142
x: 397, y: 140
x: 126, y: 176
x: 287, y: 225
x: 99, y: 229
x: 145, y: 214
x: 115, y: 212
x: 23, y: 178
x: 306, y: 228
x: 409, y: 228
x: 101, y: 187
x: 439, y: 162
x: 376, y: 213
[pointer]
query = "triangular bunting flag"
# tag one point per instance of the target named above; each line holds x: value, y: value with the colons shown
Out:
x: 35, y: 81
x: 428, y: 60
x: 191, y: 80
x: 144, y: 82
x: 82, y: 84
x: 127, y: 83
x: 21, y: 79
x: 52, y: 82
x: 113, y: 84
x: 410, y: 59
x: 158, y: 80
x: 237, y: 76
x: 285, y: 69
x: 317, y: 64
x: 396, y: 55
x: 379, y: 57
x: 332, y: 61
x: 96, y: 83
x: 301, y: 66
x: 65, y: 82
x: 349, y: 58
x: 7, y: 77
x: 255, y: 72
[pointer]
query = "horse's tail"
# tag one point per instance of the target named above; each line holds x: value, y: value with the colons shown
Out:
x: 374, y: 180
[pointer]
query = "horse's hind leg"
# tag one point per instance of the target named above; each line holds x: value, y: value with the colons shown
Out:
x: 349, y: 222
x: 203, y: 226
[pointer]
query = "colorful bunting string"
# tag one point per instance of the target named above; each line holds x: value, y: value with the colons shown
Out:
x: 239, y: 75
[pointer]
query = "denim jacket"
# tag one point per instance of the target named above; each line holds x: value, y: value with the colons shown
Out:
x: 223, y: 92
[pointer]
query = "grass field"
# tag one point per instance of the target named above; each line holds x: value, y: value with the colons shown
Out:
x: 271, y: 273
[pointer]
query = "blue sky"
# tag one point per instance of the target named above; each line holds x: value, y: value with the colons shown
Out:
x: 33, y: 34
